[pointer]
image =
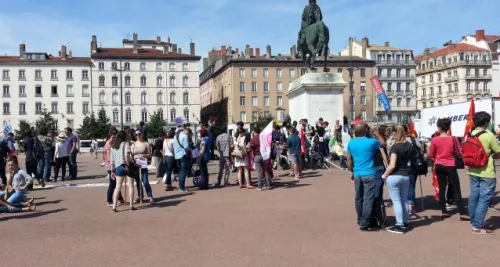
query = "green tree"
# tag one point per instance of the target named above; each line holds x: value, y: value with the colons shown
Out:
x: 156, y: 125
x: 89, y: 128
x: 103, y: 124
x: 46, y: 120
x: 263, y: 121
x: 24, y: 129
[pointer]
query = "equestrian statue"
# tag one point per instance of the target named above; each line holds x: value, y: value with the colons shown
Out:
x: 313, y: 36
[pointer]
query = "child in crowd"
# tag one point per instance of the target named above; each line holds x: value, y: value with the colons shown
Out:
x: 338, y: 148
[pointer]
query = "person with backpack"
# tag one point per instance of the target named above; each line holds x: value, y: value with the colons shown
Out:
x: 420, y: 167
x: 444, y: 149
x: 31, y: 148
x: 479, y: 151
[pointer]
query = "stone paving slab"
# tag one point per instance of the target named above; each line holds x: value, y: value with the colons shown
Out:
x: 306, y: 223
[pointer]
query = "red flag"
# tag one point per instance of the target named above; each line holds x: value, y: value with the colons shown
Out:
x: 435, y: 183
x: 411, y: 127
x: 302, y: 140
x: 470, y: 122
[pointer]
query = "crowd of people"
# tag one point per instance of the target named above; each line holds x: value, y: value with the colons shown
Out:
x: 376, y: 157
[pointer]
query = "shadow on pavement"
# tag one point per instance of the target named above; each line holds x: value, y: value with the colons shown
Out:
x: 170, y: 197
x: 163, y: 204
x: 34, y: 214
x: 286, y: 185
x: 492, y: 223
x: 41, y: 203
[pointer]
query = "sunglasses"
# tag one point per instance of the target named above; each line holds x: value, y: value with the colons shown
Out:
x: 138, y: 134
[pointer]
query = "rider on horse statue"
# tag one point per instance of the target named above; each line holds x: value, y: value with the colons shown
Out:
x: 310, y: 15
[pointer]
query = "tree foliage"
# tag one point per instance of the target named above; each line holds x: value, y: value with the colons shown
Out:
x: 24, y: 130
x: 46, y: 120
x: 263, y: 121
x: 89, y: 128
x: 156, y: 125
x: 103, y: 124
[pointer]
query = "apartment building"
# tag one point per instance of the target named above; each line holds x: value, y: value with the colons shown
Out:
x: 395, y: 68
x: 452, y: 74
x: 143, y: 77
x: 241, y: 86
x: 34, y: 81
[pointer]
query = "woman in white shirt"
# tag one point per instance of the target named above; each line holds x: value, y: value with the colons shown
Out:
x: 61, y: 156
x: 169, y: 159
x: 120, y: 159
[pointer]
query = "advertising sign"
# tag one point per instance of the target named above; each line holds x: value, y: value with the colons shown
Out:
x: 380, y: 93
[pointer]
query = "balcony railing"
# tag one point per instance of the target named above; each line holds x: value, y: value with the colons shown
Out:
x: 452, y: 79
x: 478, y: 77
x: 397, y: 78
x: 400, y: 62
x: 455, y: 64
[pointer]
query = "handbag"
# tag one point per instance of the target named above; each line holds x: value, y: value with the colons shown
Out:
x: 132, y: 170
x: 198, y: 178
x: 459, y: 161
x: 239, y: 152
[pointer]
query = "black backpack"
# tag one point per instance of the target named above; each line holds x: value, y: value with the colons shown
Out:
x: 38, y: 150
x: 4, y: 149
x: 418, y: 162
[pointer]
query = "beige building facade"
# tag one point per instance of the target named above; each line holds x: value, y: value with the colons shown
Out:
x: 238, y: 86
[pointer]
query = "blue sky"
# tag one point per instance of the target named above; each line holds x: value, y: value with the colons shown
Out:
x: 414, y: 24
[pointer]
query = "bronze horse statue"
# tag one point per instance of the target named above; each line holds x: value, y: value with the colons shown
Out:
x: 315, y: 43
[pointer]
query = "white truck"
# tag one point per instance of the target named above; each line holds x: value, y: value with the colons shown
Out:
x: 458, y: 113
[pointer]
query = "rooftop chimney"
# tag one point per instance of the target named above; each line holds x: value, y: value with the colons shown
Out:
x: 247, y: 51
x: 192, y: 50
x: 135, y: 43
x: 479, y: 35
x: 365, y: 43
x: 427, y: 52
x: 22, y: 49
x: 386, y: 44
x: 251, y: 52
x: 174, y: 48
x: 237, y: 51
x: 205, y: 63
x: 63, y: 52
x: 223, y: 50
x: 293, y: 51
x: 268, y: 51
x: 257, y: 52
x: 168, y: 40
x: 179, y: 50
x: 93, y: 44
x: 59, y: 53
x: 158, y: 39
x: 70, y: 54
x: 229, y: 51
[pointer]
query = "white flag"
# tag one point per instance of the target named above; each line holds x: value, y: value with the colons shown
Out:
x: 266, y: 137
x: 7, y: 128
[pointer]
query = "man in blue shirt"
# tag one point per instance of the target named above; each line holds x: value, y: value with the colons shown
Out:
x: 362, y: 150
x: 181, y: 148
x: 293, y: 144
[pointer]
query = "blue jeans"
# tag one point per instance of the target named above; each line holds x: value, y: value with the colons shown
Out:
x: 204, y: 172
x: 379, y: 182
x: 183, y: 170
x: 481, y: 192
x: 169, y: 168
x: 364, y: 187
x: 411, y: 189
x: 72, y: 166
x: 398, y: 190
x: 4, y: 209
x: 145, y: 182
x: 44, y: 165
x: 16, y: 198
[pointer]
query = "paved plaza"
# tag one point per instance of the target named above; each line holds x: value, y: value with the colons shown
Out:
x: 307, y: 223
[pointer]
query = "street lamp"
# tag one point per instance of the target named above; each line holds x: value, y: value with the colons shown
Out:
x: 121, y: 92
x: 351, y: 88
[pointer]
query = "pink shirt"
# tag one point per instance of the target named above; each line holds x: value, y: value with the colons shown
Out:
x: 442, y: 150
x: 107, y: 147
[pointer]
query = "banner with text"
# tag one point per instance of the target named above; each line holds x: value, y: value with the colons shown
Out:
x: 380, y: 93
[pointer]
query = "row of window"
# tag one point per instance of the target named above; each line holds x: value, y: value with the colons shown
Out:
x: 431, y: 103
x: 145, y: 115
x: 144, y: 81
x: 142, y: 66
x: 115, y: 98
x: 362, y: 100
x: 399, y: 73
x: 54, y: 108
x: 54, y: 91
x: 455, y: 75
x: 266, y: 87
x: 38, y: 75
x: 399, y: 102
x: 448, y: 60
x: 390, y: 58
x: 255, y: 115
x: 399, y: 87
x: 477, y: 87
x: 255, y: 101
x: 279, y: 72
x: 399, y: 118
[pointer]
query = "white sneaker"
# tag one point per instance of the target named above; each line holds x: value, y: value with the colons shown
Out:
x: 102, y: 164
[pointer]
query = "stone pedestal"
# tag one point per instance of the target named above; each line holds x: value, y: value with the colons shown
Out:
x: 317, y: 95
